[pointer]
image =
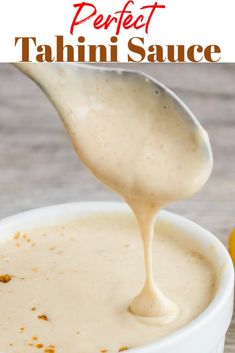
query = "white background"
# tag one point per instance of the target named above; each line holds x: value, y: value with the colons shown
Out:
x: 184, y: 22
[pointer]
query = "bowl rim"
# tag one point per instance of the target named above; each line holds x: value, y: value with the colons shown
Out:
x: 224, y: 290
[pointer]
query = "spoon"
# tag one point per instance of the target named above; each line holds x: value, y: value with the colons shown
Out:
x: 81, y: 92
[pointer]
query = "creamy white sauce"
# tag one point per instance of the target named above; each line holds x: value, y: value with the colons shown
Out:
x: 83, y: 275
x: 140, y: 141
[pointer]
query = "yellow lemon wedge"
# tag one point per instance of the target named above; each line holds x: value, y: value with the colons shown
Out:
x: 232, y: 245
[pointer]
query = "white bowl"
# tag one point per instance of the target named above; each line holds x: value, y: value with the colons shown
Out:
x: 206, y: 333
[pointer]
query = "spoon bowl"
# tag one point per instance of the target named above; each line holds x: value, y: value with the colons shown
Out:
x: 125, y: 110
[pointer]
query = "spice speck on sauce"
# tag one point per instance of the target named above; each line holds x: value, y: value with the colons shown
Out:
x: 39, y: 345
x: 43, y: 317
x: 5, y: 278
x: 50, y: 349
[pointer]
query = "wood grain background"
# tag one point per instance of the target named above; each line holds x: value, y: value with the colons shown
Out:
x: 38, y: 166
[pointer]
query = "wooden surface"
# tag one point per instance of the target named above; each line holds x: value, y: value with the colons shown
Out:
x: 38, y: 166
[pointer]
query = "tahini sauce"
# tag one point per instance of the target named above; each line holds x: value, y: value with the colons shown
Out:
x: 83, y: 274
x: 136, y: 139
